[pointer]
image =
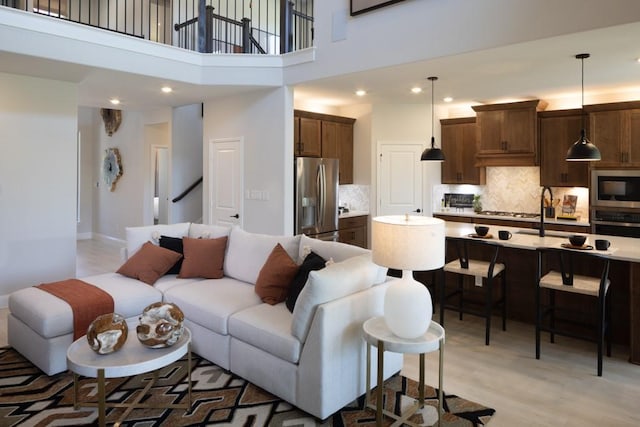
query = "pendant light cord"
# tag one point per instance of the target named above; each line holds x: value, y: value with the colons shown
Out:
x: 582, y: 57
x: 432, y: 115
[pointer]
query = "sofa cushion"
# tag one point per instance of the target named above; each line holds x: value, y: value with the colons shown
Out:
x: 332, y: 282
x: 267, y: 327
x: 51, y: 317
x: 207, y: 231
x: 312, y: 262
x: 336, y: 250
x: 210, y: 302
x: 174, y: 244
x: 203, y: 258
x: 276, y: 276
x: 138, y: 236
x: 170, y: 280
x: 149, y: 263
x: 247, y: 253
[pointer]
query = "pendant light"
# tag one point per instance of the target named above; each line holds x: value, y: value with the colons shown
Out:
x: 432, y: 154
x: 583, y: 150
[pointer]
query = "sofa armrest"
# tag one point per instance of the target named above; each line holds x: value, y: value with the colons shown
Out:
x: 332, y: 367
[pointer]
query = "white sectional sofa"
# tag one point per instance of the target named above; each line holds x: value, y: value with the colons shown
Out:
x: 314, y: 358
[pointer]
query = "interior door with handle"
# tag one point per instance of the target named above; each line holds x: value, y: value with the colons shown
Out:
x: 225, y: 184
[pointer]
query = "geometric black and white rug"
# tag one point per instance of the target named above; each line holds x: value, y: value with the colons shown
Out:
x: 28, y: 397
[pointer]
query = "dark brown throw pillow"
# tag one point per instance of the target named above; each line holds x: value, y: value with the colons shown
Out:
x: 276, y: 276
x: 149, y: 263
x: 174, y: 244
x: 203, y: 258
x: 312, y: 262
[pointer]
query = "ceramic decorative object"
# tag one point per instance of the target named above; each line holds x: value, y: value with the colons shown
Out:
x: 107, y: 333
x: 160, y: 325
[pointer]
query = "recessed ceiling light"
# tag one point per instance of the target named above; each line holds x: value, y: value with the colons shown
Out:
x: 416, y: 89
x: 361, y: 92
x: 166, y: 89
x: 447, y: 99
x: 638, y: 60
x: 114, y: 101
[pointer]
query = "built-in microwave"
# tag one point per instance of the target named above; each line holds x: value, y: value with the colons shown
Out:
x: 616, y: 188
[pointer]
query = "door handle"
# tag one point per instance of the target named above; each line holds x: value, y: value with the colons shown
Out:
x: 236, y: 216
x: 418, y: 210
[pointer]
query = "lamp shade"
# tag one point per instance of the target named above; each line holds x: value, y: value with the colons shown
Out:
x: 406, y: 242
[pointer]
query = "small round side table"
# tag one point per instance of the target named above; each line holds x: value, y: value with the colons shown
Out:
x: 378, y: 334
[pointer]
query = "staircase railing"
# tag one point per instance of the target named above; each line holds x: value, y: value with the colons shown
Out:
x: 188, y: 190
x: 237, y: 26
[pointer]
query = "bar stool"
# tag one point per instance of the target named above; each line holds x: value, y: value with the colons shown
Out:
x: 485, y: 274
x: 589, y: 287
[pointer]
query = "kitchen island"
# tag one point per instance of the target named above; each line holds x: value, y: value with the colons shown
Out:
x: 519, y: 254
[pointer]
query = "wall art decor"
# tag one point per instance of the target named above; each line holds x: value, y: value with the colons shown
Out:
x: 111, y: 119
x: 111, y: 167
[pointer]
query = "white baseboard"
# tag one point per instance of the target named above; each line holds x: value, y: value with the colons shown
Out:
x: 104, y: 237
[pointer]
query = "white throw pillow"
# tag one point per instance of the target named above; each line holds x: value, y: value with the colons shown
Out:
x: 247, y: 253
x: 332, y: 282
x: 138, y: 236
x: 206, y: 231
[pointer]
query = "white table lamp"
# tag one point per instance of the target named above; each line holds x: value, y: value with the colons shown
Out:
x: 408, y: 243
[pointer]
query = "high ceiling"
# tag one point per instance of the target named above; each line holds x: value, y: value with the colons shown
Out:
x: 544, y: 69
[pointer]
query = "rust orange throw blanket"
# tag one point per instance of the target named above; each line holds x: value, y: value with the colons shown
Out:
x: 87, y: 302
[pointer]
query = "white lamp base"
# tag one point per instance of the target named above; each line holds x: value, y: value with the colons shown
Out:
x: 408, y: 307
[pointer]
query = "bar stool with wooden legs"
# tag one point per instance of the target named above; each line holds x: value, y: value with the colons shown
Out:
x: 589, y: 287
x: 485, y: 273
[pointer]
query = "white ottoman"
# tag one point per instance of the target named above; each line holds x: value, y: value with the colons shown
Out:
x: 40, y: 325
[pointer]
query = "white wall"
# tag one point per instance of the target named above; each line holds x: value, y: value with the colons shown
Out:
x: 264, y: 119
x: 88, y: 133
x: 38, y: 123
x: 186, y: 163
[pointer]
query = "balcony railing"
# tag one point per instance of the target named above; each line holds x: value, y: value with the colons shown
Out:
x: 211, y: 26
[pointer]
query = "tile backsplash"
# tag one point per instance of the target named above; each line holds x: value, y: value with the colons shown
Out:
x: 513, y: 189
x: 354, y: 197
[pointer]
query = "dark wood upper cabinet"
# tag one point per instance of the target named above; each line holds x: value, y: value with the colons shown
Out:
x: 615, y: 130
x: 558, y: 130
x: 507, y: 134
x: 324, y: 135
x: 459, y: 147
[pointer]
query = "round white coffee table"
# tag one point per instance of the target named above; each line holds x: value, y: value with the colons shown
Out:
x: 378, y: 334
x: 132, y: 359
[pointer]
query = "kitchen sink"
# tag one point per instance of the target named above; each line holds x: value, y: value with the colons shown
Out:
x: 533, y: 232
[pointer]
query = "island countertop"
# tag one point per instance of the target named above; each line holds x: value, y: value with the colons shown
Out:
x: 520, y: 255
x: 621, y: 249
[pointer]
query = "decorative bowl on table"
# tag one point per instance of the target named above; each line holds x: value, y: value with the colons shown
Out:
x: 107, y: 333
x: 160, y: 325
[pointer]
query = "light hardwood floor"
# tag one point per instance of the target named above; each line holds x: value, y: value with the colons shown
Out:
x: 560, y: 389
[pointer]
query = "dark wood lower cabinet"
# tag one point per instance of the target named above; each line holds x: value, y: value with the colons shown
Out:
x: 353, y: 230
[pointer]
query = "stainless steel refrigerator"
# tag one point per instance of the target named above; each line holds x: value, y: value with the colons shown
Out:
x: 316, y: 203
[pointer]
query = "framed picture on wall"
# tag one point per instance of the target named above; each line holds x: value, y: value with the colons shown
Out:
x: 362, y: 6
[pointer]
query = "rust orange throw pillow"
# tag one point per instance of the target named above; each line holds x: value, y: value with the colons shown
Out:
x: 203, y: 258
x: 149, y: 263
x: 275, y: 276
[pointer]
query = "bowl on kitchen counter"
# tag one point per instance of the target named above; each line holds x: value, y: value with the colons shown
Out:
x: 577, y: 239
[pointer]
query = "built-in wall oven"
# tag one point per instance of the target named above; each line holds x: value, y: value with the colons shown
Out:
x: 615, y: 202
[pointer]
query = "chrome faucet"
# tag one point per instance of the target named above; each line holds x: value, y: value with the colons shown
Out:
x: 541, y: 231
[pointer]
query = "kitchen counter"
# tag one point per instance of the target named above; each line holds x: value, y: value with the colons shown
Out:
x: 621, y: 249
x: 351, y: 214
x: 471, y: 214
x: 519, y: 254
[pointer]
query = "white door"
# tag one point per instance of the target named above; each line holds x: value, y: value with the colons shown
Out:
x: 399, y: 179
x: 225, y: 184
